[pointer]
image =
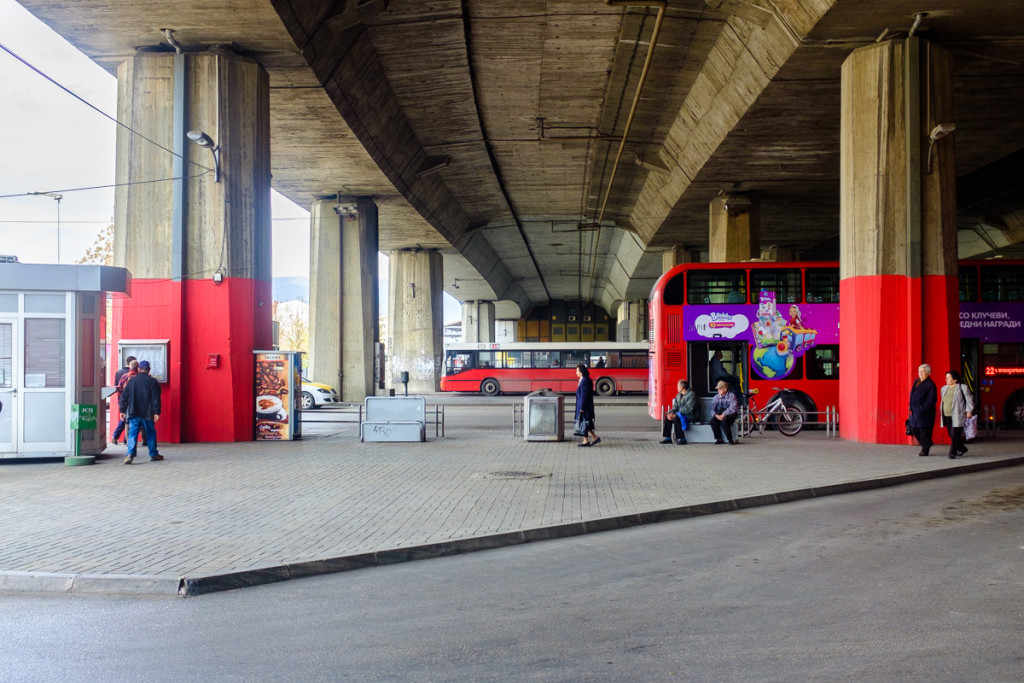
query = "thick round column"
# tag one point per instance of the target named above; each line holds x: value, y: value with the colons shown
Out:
x: 898, y: 249
x: 198, y: 247
x: 415, y: 329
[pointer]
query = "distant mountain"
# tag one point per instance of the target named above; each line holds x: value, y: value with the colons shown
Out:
x: 290, y: 288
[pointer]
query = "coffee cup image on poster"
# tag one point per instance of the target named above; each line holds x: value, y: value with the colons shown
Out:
x: 272, y: 397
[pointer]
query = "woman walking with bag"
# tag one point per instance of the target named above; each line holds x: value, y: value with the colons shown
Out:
x: 922, y: 408
x: 585, y: 406
x: 957, y: 406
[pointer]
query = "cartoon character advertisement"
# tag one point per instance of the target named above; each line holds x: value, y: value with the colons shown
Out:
x: 776, y: 339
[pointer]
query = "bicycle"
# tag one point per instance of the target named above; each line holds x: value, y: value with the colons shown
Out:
x: 779, y: 413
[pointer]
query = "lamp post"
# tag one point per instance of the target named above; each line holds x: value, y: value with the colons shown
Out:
x: 57, y: 197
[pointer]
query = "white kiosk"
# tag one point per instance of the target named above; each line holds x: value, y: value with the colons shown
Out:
x: 52, y: 331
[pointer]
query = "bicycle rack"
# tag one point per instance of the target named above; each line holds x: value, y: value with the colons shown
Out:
x: 748, y: 426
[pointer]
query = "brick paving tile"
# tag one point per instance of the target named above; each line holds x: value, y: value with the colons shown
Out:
x: 231, y: 508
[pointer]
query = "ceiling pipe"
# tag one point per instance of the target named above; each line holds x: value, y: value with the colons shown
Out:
x: 662, y: 5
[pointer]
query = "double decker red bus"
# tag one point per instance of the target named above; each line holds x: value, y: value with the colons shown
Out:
x: 774, y: 324
x: 520, y: 367
x: 992, y: 337
x: 777, y: 325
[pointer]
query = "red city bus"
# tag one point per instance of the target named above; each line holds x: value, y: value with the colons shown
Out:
x: 699, y: 308
x: 775, y: 325
x: 493, y: 368
x: 991, y: 337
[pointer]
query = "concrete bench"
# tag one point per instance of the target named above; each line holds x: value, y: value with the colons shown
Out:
x: 394, y: 418
x: 700, y: 431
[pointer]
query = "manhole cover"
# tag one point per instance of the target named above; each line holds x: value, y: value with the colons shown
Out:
x: 511, y: 474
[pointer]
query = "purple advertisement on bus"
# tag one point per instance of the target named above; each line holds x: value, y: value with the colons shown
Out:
x: 998, y: 322
x: 778, y: 334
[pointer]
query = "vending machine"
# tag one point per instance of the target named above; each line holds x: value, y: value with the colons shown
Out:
x: 278, y: 395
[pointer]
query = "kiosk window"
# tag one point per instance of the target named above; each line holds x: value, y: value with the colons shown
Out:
x: 44, y: 352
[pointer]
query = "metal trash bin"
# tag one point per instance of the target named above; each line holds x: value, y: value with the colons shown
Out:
x: 544, y: 416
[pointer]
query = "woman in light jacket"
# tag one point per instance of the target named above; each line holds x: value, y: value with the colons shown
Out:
x: 957, y: 405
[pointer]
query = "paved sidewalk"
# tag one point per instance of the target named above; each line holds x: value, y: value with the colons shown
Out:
x: 221, y: 516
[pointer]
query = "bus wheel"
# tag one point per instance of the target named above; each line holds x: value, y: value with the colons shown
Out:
x: 605, y: 386
x: 490, y: 387
x: 1013, y: 413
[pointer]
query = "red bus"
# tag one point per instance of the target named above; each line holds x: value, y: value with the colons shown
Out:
x: 521, y: 367
x: 991, y: 336
x: 747, y: 311
x: 774, y: 324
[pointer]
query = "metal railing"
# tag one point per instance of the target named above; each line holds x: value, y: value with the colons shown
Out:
x: 749, y: 424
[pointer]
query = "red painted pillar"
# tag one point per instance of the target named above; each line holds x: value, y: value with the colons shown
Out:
x: 198, y: 250
x: 898, y: 292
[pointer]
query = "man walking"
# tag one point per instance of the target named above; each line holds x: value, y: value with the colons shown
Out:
x: 120, y: 377
x: 140, y: 405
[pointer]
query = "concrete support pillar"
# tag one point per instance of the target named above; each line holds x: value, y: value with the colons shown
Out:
x: 198, y: 248
x: 478, y: 321
x: 672, y: 257
x: 415, y: 334
x: 343, y: 294
x: 898, y: 248
x: 631, y: 321
x: 735, y: 230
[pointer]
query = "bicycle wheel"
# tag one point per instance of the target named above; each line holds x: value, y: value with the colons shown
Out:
x: 789, y: 421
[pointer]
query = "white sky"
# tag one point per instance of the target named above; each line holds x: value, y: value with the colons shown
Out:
x: 54, y: 142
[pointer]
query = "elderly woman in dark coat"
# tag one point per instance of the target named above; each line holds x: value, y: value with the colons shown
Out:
x: 585, y: 404
x: 922, y: 408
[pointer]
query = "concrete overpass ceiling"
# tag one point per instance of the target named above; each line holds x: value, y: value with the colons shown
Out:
x: 488, y: 130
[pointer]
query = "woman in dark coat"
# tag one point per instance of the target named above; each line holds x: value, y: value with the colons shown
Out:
x: 922, y: 408
x: 585, y: 404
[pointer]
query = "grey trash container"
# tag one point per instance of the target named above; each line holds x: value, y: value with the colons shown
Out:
x: 544, y: 416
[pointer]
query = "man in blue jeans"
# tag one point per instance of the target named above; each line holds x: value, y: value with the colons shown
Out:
x: 140, y: 405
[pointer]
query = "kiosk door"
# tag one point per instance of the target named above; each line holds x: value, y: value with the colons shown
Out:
x: 8, y: 391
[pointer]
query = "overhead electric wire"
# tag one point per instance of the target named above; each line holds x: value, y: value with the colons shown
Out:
x: 89, y: 104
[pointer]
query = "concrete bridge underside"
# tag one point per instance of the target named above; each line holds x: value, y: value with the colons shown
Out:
x: 504, y: 134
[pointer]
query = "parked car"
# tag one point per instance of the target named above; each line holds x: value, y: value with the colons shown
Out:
x: 315, y: 395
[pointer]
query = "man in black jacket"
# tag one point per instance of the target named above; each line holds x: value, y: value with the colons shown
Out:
x: 117, y: 383
x: 140, y: 406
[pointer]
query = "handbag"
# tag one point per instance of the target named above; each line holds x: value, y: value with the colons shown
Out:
x: 910, y: 430
x: 580, y: 428
x: 971, y: 428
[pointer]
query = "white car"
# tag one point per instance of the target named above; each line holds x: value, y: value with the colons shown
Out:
x: 315, y: 395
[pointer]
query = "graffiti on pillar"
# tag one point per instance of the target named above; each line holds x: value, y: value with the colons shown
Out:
x: 778, y: 340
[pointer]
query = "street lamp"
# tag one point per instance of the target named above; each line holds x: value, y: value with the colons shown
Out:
x: 204, y: 140
x: 58, y: 197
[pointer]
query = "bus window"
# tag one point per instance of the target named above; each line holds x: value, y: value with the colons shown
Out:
x: 598, y: 360
x: 785, y: 282
x: 517, y: 359
x: 823, y: 362
x: 1002, y: 283
x: 634, y: 359
x: 822, y: 285
x: 968, y: 283
x: 574, y: 358
x: 486, y: 359
x: 673, y: 294
x: 458, y: 361
x: 716, y: 286
x: 1002, y: 359
x: 546, y: 359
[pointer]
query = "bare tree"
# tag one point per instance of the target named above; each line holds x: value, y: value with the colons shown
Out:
x: 102, y: 250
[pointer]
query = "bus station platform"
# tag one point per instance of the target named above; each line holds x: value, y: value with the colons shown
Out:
x: 217, y: 517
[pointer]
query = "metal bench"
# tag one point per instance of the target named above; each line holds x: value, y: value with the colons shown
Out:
x: 394, y: 418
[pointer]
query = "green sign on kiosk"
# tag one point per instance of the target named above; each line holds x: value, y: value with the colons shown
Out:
x: 83, y: 416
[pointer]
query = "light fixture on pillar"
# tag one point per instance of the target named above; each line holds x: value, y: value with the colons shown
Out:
x: 204, y: 140
x: 736, y: 204
x: 455, y: 283
x: 938, y: 132
x: 432, y: 165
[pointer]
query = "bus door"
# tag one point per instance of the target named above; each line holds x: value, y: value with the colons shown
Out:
x: 969, y: 349
x: 708, y: 360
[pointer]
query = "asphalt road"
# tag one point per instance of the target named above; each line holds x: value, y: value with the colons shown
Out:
x: 920, y: 582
